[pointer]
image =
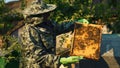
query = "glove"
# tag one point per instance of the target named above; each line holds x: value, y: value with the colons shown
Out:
x: 71, y: 59
x: 83, y: 21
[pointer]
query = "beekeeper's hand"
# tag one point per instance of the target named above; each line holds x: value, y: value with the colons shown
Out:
x: 71, y: 59
x: 83, y: 21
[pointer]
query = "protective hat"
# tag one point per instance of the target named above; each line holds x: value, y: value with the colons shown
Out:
x: 38, y: 7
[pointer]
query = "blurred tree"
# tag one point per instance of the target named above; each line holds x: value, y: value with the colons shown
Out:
x: 8, y: 17
x: 2, y: 11
x: 76, y: 9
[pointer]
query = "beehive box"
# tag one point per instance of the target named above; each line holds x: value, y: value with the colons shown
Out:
x: 87, y: 41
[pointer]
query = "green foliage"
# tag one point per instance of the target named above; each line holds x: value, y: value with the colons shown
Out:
x: 11, y: 52
x: 9, y: 20
x: 11, y: 43
x: 7, y: 17
x: 105, y: 11
x: 68, y: 10
x: 2, y: 6
x: 71, y: 9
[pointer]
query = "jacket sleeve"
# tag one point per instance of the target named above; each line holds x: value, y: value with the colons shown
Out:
x: 34, y: 53
x: 63, y: 27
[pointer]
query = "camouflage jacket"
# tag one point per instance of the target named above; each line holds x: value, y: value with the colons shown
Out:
x: 39, y: 44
